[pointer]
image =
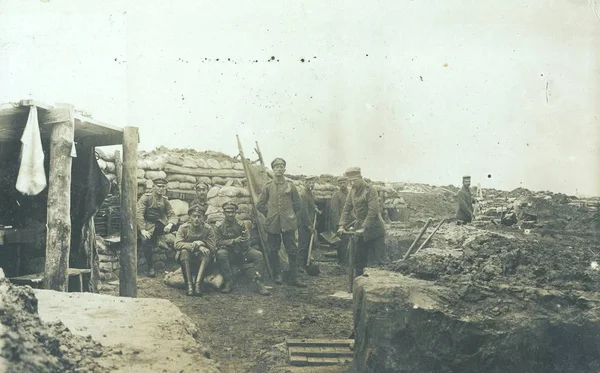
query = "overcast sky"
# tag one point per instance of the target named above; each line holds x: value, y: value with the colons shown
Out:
x: 420, y: 91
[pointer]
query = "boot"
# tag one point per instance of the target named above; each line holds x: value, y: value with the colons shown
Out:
x: 150, y: 262
x: 262, y: 290
x: 187, y: 276
x: 293, y: 280
x: 198, y: 285
x: 276, y: 267
x: 225, y: 269
x: 227, y: 288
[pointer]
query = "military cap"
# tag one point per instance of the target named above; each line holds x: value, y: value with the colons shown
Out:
x: 310, y: 178
x: 201, y: 185
x: 160, y: 181
x: 278, y: 160
x: 197, y: 208
x: 466, y: 177
x: 353, y: 173
x: 229, y: 206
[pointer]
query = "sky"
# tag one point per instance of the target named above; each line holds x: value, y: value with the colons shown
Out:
x: 415, y: 91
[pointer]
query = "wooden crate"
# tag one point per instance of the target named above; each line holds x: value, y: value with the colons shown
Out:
x: 320, y: 352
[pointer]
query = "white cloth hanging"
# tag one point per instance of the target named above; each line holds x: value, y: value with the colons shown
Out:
x: 32, y: 176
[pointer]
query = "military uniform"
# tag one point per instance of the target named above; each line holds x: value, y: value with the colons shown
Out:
x: 464, y: 211
x: 200, y: 199
x: 280, y: 203
x: 233, y: 246
x: 154, y: 212
x: 363, y: 201
x: 305, y: 222
x: 336, y: 206
x: 188, y: 240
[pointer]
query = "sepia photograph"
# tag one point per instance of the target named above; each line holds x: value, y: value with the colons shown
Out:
x: 300, y: 187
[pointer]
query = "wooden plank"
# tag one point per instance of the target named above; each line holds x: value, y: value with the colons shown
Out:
x: 320, y: 342
x: 58, y: 219
x: 170, y: 168
x: 321, y: 351
x: 299, y: 361
x: 55, y: 115
x: 128, y: 257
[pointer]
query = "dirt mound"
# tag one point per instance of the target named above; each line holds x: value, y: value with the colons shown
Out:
x: 29, y: 345
x: 161, y: 150
x: 490, y: 257
x: 429, y: 205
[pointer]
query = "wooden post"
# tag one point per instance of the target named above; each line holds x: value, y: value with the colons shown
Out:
x: 58, y: 219
x: 128, y: 257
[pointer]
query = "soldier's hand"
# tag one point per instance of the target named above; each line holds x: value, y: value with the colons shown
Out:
x: 168, y: 228
x: 360, y: 231
x: 145, y: 234
x: 318, y: 211
x: 340, y: 231
x: 204, y: 250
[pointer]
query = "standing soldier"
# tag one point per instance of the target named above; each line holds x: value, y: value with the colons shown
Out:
x: 155, y: 217
x: 195, y: 243
x: 279, y: 202
x: 233, y: 245
x: 464, y: 211
x: 307, y: 214
x: 364, y: 202
x: 201, y: 195
x: 337, y: 202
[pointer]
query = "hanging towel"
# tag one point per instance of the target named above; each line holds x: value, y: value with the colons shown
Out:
x: 32, y: 176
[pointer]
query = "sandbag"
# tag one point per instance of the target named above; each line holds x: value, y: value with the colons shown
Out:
x: 141, y: 173
x: 231, y: 191
x: 187, y: 186
x: 219, y: 180
x: 102, y: 164
x: 202, y: 163
x: 213, y: 210
x: 213, y: 192
x: 175, y: 279
x: 226, y: 163
x: 238, y: 166
x: 111, y: 177
x: 151, y: 175
x: 111, y: 167
x: 141, y: 182
x: 219, y: 201
x: 173, y: 185
x: 181, y: 178
x: 190, y: 163
x: 205, y: 180
x: 213, y: 163
x: 183, y: 218
x: 152, y: 165
x: 176, y: 160
x: 179, y: 207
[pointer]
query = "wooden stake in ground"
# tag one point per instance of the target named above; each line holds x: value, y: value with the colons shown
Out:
x: 128, y: 256
x: 431, y: 235
x: 58, y: 219
x: 257, y: 214
x: 410, y: 249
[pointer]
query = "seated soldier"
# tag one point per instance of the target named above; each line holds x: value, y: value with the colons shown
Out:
x: 233, y: 243
x: 195, y: 243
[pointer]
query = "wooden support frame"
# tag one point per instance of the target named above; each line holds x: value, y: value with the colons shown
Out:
x: 58, y: 220
x: 128, y: 257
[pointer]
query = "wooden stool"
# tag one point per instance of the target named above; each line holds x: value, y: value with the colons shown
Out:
x: 79, y: 280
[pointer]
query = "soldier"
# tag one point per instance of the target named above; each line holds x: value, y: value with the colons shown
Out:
x: 155, y: 217
x: 464, y: 211
x: 195, y: 243
x: 201, y: 195
x: 233, y: 245
x: 280, y: 203
x: 337, y: 202
x: 364, y: 202
x: 305, y: 219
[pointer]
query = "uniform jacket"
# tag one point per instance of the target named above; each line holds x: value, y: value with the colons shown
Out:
x: 151, y: 208
x: 227, y: 232
x: 187, y: 234
x: 465, y: 204
x: 280, y: 203
x: 308, y: 210
x: 364, y: 203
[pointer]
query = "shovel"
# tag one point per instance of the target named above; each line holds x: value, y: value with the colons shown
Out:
x: 312, y: 269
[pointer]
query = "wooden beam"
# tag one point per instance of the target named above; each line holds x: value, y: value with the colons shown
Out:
x: 203, y: 171
x: 128, y: 257
x: 56, y: 115
x: 58, y: 220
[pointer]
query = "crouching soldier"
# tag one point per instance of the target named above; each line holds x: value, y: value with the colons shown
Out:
x: 195, y: 243
x: 155, y: 217
x: 233, y: 243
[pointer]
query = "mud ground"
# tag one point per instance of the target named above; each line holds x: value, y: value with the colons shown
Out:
x: 242, y: 329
